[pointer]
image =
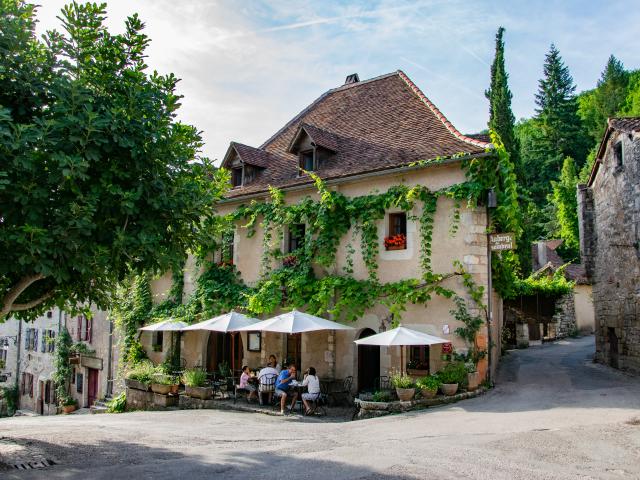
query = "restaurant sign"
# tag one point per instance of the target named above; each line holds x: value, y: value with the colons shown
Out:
x: 502, y: 241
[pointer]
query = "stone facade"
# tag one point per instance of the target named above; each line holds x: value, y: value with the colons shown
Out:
x: 609, y: 211
x: 565, y: 316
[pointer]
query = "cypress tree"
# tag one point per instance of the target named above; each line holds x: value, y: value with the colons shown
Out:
x: 501, y: 119
x: 566, y: 208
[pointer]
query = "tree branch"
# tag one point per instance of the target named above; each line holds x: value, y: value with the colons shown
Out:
x: 13, y: 293
x: 19, y: 307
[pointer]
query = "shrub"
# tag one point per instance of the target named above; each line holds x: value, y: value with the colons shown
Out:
x: 118, y: 404
x: 383, y: 396
x: 143, y: 372
x: 430, y: 382
x: 194, y: 378
x: 400, y: 380
x: 454, y: 372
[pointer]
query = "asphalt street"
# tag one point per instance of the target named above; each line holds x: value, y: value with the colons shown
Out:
x: 554, y: 414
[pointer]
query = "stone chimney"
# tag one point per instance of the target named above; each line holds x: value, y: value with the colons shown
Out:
x: 353, y: 78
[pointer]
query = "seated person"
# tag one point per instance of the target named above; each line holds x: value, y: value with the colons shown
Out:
x: 266, y: 385
x: 312, y: 382
x: 282, y: 388
x: 245, y: 385
x: 274, y: 363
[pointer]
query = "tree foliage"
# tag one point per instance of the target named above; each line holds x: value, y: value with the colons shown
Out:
x: 97, y: 175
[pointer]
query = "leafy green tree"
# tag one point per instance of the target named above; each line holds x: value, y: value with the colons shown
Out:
x: 564, y: 199
x: 97, y: 177
x: 501, y: 119
x: 606, y: 100
x: 631, y: 105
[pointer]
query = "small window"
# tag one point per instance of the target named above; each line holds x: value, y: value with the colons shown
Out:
x: 156, y: 341
x: 296, y: 237
x: 79, y: 382
x: 397, y: 234
x: 419, y: 358
x: 307, y: 161
x: 618, y: 154
x: 236, y: 177
x: 49, y: 314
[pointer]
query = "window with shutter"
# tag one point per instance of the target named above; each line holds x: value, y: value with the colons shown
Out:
x: 79, y: 382
x: 79, y: 332
x: 52, y: 341
x: 34, y: 345
x: 43, y: 342
x: 89, y: 331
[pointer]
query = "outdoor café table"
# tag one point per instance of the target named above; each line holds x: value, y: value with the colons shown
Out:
x: 297, y: 387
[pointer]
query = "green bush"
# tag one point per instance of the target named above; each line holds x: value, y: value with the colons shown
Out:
x: 454, y: 372
x: 384, y: 396
x: 194, y: 378
x: 143, y: 372
x: 430, y: 382
x: 118, y: 404
x: 400, y: 380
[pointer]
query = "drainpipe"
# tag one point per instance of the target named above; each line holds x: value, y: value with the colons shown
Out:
x: 109, y: 358
x: 18, y: 364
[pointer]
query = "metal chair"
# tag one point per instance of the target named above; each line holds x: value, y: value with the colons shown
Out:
x: 318, y: 405
x: 267, y: 384
x: 344, y: 391
x: 382, y: 383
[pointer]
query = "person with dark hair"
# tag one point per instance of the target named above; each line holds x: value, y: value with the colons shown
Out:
x: 284, y: 381
x: 312, y: 382
x: 245, y: 385
x: 274, y: 363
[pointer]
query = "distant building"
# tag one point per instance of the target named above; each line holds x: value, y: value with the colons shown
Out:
x: 609, y: 212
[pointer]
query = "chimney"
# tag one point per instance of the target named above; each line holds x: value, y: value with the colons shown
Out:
x: 353, y: 78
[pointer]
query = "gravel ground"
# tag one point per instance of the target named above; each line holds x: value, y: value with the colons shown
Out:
x: 554, y: 415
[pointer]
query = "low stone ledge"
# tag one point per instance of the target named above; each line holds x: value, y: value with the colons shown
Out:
x: 370, y: 409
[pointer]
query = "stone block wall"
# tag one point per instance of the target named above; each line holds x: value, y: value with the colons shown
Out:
x: 565, y: 316
x: 610, y: 245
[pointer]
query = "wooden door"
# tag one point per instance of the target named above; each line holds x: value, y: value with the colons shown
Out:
x: 219, y: 350
x: 294, y: 351
x: 92, y: 388
x: 368, y: 363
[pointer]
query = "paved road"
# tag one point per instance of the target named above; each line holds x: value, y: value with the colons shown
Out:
x: 554, y: 415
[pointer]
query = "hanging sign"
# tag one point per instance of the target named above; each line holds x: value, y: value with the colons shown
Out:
x: 502, y: 241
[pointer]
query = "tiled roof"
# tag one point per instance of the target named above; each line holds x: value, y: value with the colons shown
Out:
x: 377, y: 124
x: 625, y: 124
x: 320, y: 137
x: 251, y: 155
x: 573, y: 271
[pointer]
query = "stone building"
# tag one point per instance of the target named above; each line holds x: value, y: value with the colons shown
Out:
x: 609, y: 213
x: 361, y: 137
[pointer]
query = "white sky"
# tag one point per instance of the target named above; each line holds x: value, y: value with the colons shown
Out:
x: 247, y: 67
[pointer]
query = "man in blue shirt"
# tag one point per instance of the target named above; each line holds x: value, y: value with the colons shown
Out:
x: 282, y: 387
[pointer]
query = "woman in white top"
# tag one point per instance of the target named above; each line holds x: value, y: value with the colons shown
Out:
x: 312, y: 382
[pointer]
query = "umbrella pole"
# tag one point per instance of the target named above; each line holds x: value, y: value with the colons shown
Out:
x: 233, y: 353
x: 401, y: 360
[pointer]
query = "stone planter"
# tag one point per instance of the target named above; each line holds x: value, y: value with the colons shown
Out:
x: 449, y: 388
x: 68, y: 408
x: 428, y: 393
x: 405, y: 394
x: 373, y: 405
x: 474, y: 380
x: 160, y: 388
x: 203, y: 393
x: 136, y: 385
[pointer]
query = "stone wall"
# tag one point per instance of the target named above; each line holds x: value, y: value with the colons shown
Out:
x: 610, y: 247
x: 565, y: 316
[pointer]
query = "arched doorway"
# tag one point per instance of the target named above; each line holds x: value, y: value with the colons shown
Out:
x: 219, y: 351
x: 368, y: 363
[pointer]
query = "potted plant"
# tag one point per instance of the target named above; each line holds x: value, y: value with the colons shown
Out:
x: 140, y: 376
x: 194, y: 384
x: 404, y: 386
x: 68, y: 404
x: 162, y: 384
x: 429, y: 386
x: 451, y: 376
x: 396, y: 242
x: 473, y: 377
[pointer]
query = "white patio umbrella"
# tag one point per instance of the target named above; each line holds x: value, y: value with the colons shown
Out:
x: 294, y: 323
x: 169, y: 325
x: 227, y: 323
x: 401, y: 336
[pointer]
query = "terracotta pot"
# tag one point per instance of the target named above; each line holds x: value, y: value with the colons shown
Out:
x: 428, y: 393
x: 474, y: 380
x: 68, y: 408
x: 449, y: 388
x: 203, y: 393
x: 405, y: 394
x: 160, y: 388
x: 175, y: 388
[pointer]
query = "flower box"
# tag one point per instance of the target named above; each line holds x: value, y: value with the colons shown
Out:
x: 136, y: 385
x: 396, y: 242
x: 396, y: 247
x: 160, y: 388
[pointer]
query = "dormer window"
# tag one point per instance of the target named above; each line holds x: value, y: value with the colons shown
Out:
x: 236, y: 176
x: 307, y: 160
